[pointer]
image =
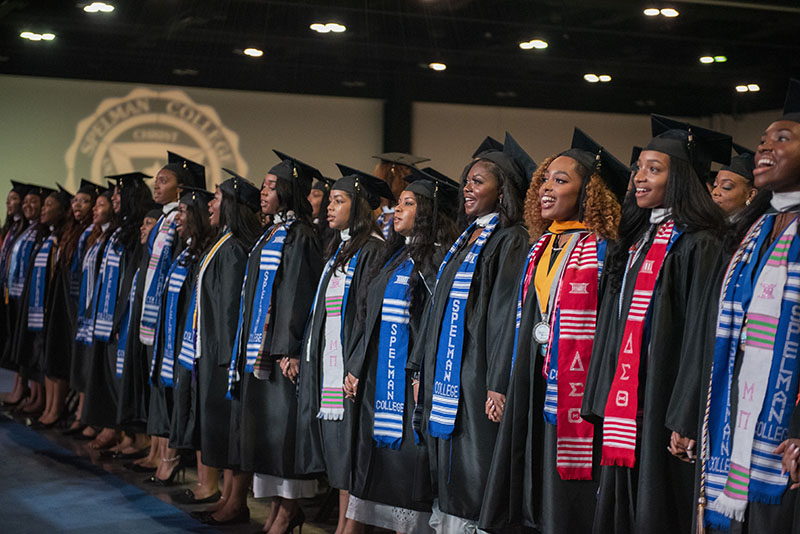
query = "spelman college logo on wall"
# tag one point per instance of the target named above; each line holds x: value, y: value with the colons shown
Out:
x: 133, y: 133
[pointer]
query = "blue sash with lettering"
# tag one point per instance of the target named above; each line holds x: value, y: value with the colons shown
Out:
x: 87, y: 299
x: 18, y: 264
x: 447, y: 377
x: 76, y: 268
x: 5, y: 253
x: 186, y: 355
x: 125, y: 327
x: 109, y: 283
x: 167, y: 317
x: 160, y: 245
x: 39, y: 285
x: 390, y: 377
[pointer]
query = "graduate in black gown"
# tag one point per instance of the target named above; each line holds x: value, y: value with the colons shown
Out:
x: 325, y: 420
x: 387, y: 447
x: 393, y: 168
x: 319, y: 197
x: 234, y: 212
x: 643, y: 386
x: 62, y: 301
x: 170, y: 418
x: 733, y: 188
x: 751, y: 427
x: 103, y: 225
x: 12, y: 228
x: 282, y: 271
x: 542, y: 474
x: 30, y: 332
x: 469, y: 335
x: 121, y: 259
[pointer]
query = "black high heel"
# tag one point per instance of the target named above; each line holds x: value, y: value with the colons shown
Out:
x: 179, y: 469
x: 297, y: 521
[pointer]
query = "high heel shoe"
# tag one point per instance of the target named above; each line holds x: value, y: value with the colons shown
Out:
x: 297, y: 521
x: 179, y: 469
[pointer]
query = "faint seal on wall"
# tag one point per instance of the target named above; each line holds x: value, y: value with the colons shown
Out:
x: 134, y: 132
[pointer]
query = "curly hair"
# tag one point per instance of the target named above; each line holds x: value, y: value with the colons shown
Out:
x: 600, y: 210
x: 393, y: 174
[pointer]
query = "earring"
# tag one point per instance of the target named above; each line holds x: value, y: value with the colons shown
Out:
x: 747, y: 203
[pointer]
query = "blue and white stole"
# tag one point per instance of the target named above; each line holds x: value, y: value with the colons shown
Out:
x: 160, y: 245
x: 447, y: 377
x: 125, y: 326
x: 167, y: 316
x: 390, y: 376
x: 75, y: 270
x: 269, y: 261
x: 87, y: 299
x: 107, y: 289
x: 198, y: 292
x: 385, y: 221
x: 759, y: 317
x: 187, y: 353
x: 39, y: 285
x: 20, y: 256
x: 5, y: 252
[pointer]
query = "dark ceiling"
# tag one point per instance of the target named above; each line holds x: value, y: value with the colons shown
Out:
x: 388, y: 44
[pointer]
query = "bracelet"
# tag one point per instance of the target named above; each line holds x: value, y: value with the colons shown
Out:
x: 414, y: 382
x: 171, y: 459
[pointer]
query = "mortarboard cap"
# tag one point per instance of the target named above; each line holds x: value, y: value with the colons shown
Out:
x: 323, y: 184
x: 91, y: 188
x: 194, y: 196
x: 487, y: 145
x: 432, y: 184
x: 699, y: 146
x: 743, y: 163
x: 121, y: 180
x: 154, y: 213
x: 370, y: 187
x: 301, y: 173
x: 401, y: 158
x: 242, y: 190
x: 64, y: 197
x: 512, y: 158
x: 19, y: 188
x: 791, y: 106
x: 188, y: 172
x: 635, y: 151
x: 40, y: 191
x: 592, y: 156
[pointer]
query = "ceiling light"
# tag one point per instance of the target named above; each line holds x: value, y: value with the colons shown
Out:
x: 604, y: 78
x: 31, y: 36
x: 741, y: 89
x: 437, y: 66
x: 651, y: 12
x: 720, y: 59
x: 538, y: 44
x: 328, y: 27
x: 706, y: 59
x: 670, y: 13
x: 253, y: 52
x: 591, y: 78
x: 98, y: 7
x: 753, y: 87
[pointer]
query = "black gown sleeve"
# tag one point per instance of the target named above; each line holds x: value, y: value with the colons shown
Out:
x: 222, y: 286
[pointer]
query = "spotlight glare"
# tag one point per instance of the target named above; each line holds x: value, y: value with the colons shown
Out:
x: 527, y: 45
x: 48, y: 36
x: 591, y: 78
x: 651, y: 12
x: 753, y: 87
x: 720, y: 59
x: 706, y: 59
x: 328, y: 27
x: 670, y: 13
x: 98, y: 7
x: 741, y: 89
x: 604, y: 78
x: 437, y: 66
x: 253, y: 52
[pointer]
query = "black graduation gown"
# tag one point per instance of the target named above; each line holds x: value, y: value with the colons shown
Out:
x: 524, y: 485
x: 61, y: 323
x: 269, y: 407
x: 103, y: 385
x: 406, y: 467
x: 81, y: 359
x: 219, y: 298
x: 460, y: 465
x: 160, y: 405
x: 8, y: 305
x: 183, y: 430
x: 657, y: 494
x: 327, y: 446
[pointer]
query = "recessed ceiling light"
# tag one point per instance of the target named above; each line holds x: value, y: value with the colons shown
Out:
x: 98, y: 7
x: 669, y: 12
x: 437, y: 66
x: 753, y: 87
x: 651, y: 12
x: 741, y: 89
x: 720, y: 59
x: 538, y: 44
x: 591, y: 78
x: 253, y: 52
x: 706, y: 59
x: 604, y: 78
x: 327, y: 27
x: 31, y: 36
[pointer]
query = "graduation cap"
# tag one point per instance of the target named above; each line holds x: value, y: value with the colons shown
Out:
x: 594, y: 158
x: 743, y: 163
x: 323, y: 184
x: 242, y: 190
x: 64, y: 197
x: 121, y: 180
x: 511, y: 157
x: 40, y: 191
x: 91, y: 188
x: 791, y: 106
x: 635, y: 151
x: 434, y: 185
x: 699, y: 146
x: 356, y: 182
x: 296, y: 171
x: 154, y: 213
x: 401, y: 158
x: 188, y: 172
x: 194, y: 196
x: 19, y: 188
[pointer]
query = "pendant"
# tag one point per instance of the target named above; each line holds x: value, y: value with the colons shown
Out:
x: 541, y: 332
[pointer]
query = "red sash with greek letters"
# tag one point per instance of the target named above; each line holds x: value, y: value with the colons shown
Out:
x: 619, y: 423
